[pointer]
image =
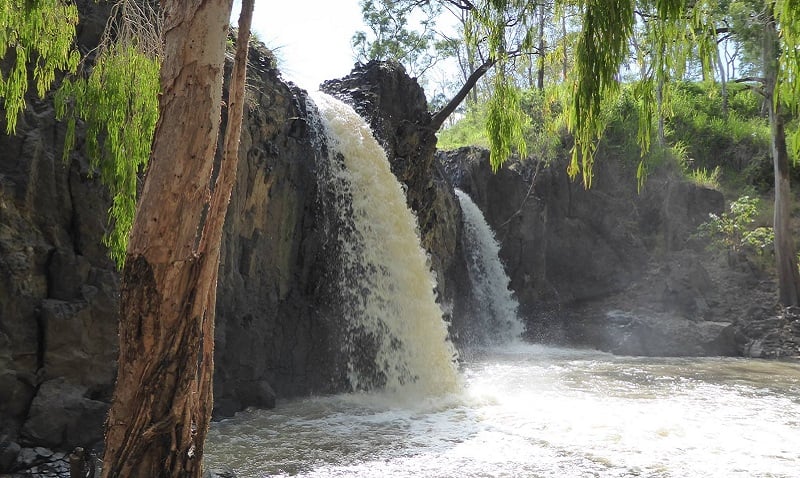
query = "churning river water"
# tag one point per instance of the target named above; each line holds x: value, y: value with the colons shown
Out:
x: 526, y: 410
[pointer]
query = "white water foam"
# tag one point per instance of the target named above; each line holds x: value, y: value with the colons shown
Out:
x: 539, y: 412
x: 385, y: 267
x: 497, y: 308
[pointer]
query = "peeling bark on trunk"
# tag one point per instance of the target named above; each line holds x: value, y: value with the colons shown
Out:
x: 162, y: 401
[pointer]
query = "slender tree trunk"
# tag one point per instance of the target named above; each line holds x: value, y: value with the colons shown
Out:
x: 723, y: 81
x: 162, y: 401
x: 788, y: 276
x: 540, y: 72
x: 438, y: 118
x: 662, y: 141
x: 564, y: 63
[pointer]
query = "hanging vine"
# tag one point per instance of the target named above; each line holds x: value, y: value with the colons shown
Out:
x: 36, y: 37
x: 117, y: 103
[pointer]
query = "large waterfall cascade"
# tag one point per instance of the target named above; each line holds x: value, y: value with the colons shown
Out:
x: 385, y: 268
x: 496, y: 314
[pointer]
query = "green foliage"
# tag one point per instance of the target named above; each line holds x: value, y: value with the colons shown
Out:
x: 506, y: 28
x: 505, y: 123
x: 700, y: 176
x: 541, y: 131
x: 118, y: 104
x: 467, y: 131
x: 705, y: 178
x: 737, y: 143
x: 393, y: 39
x: 734, y: 231
x: 36, y: 38
x: 602, y: 48
x: 544, y: 129
x: 787, y: 13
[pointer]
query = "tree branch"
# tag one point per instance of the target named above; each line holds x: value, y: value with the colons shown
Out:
x: 751, y: 79
x: 754, y: 79
x: 461, y: 4
x: 437, y: 120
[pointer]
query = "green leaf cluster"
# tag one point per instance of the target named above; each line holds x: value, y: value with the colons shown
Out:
x: 36, y: 38
x: 393, y: 37
x: 118, y: 105
x: 787, y: 13
x: 505, y: 123
x: 602, y: 48
x: 733, y: 231
x: 737, y: 143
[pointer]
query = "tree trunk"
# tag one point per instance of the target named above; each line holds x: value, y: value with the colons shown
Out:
x: 438, y: 118
x: 723, y: 81
x: 540, y: 72
x: 788, y: 276
x: 162, y: 401
x: 564, y: 36
x: 662, y: 140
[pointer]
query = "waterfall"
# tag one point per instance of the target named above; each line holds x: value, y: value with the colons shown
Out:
x: 496, y: 314
x: 394, y: 322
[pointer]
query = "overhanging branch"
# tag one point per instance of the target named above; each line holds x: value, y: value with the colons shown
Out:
x: 749, y: 80
x: 438, y: 118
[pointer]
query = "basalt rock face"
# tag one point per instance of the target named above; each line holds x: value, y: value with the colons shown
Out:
x: 395, y: 107
x: 59, y: 292
x: 559, y: 241
x: 277, y: 333
x: 608, y: 267
x: 58, y: 289
x: 274, y: 333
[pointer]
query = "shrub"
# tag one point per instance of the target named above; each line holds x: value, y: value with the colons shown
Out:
x: 734, y: 231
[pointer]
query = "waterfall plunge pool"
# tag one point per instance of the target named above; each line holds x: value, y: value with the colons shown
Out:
x: 516, y: 410
x: 527, y: 410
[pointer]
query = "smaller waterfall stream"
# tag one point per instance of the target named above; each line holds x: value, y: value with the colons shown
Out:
x: 496, y: 307
x: 395, y: 323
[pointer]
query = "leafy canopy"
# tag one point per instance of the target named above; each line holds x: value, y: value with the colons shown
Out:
x: 118, y: 104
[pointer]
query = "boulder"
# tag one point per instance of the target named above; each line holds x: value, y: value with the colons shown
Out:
x: 9, y: 451
x: 663, y: 335
x: 761, y: 333
x: 62, y: 413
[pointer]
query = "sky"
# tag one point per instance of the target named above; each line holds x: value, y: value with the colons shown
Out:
x: 312, y: 37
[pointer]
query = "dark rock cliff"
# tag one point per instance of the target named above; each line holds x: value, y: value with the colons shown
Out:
x: 59, y: 291
x: 274, y: 332
x: 612, y: 267
x: 278, y: 326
